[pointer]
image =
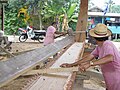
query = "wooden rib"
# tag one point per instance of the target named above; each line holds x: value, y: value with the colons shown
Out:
x: 51, y: 70
x: 55, y: 75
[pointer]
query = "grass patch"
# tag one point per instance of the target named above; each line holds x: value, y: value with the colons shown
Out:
x: 116, y: 40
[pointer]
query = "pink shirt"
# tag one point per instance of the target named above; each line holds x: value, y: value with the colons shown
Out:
x: 111, y: 71
x: 49, y: 35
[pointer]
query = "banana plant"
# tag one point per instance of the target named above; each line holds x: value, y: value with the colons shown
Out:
x: 53, y: 10
x: 68, y: 16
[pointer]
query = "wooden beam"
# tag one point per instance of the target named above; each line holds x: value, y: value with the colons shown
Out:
x: 51, y: 70
x: 82, y: 21
x: 54, y: 75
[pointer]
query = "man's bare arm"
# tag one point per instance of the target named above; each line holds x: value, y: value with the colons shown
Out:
x: 104, y: 60
x: 83, y: 60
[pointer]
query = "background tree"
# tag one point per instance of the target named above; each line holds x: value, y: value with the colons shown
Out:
x: 42, y: 13
x: 110, y: 5
x: 115, y: 9
x: 68, y: 16
x: 12, y: 22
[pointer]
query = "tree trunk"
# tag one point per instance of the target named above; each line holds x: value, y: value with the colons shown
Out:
x: 82, y: 22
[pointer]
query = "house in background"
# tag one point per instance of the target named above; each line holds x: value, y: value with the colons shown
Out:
x: 112, y: 20
x: 96, y: 14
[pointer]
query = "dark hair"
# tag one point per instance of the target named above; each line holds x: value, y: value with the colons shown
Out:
x: 53, y: 23
x: 101, y: 38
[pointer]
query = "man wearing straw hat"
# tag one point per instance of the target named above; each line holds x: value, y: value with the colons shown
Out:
x: 108, y: 57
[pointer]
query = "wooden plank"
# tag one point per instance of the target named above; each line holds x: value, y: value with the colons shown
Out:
x: 51, y: 70
x: 53, y: 83
x: 48, y: 83
x: 82, y: 21
x: 16, y: 66
x: 54, y: 75
x: 70, y: 81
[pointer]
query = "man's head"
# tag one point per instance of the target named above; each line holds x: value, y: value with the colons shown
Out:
x: 54, y: 24
x: 100, y: 31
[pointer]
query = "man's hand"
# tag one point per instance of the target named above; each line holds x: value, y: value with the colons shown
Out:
x: 65, y: 65
x: 83, y: 67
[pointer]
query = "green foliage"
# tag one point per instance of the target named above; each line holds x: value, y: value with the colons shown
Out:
x: 116, y: 40
x: 115, y: 9
x: 48, y: 11
x: 53, y: 8
x: 12, y: 22
x: 73, y: 25
x: 71, y: 17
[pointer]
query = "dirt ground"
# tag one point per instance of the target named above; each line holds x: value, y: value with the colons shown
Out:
x: 26, y: 46
x: 18, y: 48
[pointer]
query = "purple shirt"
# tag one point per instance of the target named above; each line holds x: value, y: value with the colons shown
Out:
x: 49, y: 35
x: 111, y: 71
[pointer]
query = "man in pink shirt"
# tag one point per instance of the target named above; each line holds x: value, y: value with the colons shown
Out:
x: 108, y: 57
x: 50, y: 34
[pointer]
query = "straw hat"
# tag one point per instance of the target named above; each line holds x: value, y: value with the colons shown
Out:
x: 100, y: 30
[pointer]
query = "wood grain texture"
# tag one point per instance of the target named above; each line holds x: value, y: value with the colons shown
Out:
x: 16, y: 66
x: 51, y: 70
x: 82, y: 21
x: 70, y: 81
x: 52, y: 83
